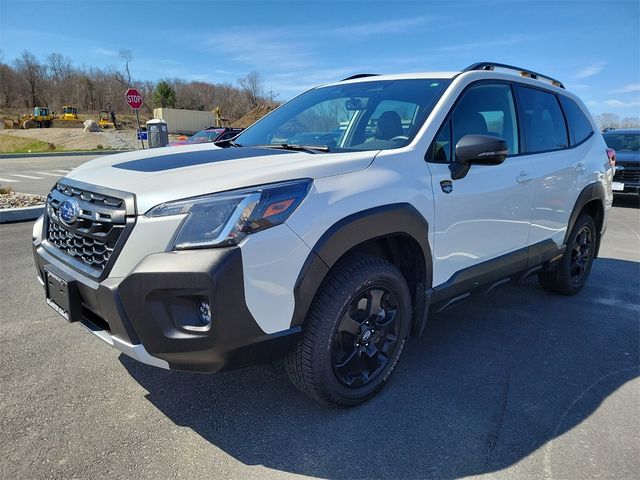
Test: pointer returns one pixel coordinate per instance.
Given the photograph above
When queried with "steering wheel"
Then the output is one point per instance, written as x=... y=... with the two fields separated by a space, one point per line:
x=399 y=137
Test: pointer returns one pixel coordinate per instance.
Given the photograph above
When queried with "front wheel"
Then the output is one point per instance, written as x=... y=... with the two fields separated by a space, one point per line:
x=355 y=333
x=573 y=269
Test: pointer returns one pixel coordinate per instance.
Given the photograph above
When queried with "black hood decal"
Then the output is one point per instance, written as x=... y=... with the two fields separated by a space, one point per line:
x=172 y=160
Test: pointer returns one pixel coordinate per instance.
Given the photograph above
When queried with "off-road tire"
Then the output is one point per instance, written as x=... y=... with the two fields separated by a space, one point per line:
x=561 y=280
x=310 y=366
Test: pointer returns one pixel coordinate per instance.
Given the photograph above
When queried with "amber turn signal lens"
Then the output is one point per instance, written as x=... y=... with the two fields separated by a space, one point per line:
x=277 y=207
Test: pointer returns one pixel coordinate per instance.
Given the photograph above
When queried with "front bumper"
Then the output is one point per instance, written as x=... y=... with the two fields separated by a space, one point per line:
x=152 y=313
x=629 y=176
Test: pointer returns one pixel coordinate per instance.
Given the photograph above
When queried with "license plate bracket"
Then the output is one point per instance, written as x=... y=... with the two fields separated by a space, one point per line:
x=62 y=294
x=617 y=186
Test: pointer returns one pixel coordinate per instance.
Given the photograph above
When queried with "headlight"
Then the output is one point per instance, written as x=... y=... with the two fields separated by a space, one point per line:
x=226 y=218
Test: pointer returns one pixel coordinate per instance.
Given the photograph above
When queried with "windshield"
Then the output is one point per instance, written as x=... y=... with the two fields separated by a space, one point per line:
x=623 y=142
x=206 y=135
x=375 y=115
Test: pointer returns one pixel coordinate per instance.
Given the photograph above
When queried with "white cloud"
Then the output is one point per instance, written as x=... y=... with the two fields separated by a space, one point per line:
x=378 y=28
x=632 y=87
x=108 y=52
x=620 y=104
x=590 y=70
x=260 y=48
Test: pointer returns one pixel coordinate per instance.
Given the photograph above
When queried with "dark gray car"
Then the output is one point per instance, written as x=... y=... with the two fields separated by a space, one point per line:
x=626 y=143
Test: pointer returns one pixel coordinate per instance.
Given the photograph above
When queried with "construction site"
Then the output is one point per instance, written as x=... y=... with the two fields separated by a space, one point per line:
x=44 y=131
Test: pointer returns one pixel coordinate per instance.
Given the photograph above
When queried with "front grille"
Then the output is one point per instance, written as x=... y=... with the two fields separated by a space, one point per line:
x=93 y=236
x=628 y=175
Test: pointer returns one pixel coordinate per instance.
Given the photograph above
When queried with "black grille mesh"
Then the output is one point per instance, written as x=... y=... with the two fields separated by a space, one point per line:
x=93 y=236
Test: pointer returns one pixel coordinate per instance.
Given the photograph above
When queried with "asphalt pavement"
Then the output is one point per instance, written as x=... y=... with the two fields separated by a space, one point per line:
x=37 y=174
x=519 y=384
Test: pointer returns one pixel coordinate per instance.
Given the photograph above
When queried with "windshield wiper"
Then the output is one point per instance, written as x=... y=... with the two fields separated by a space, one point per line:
x=298 y=148
x=227 y=143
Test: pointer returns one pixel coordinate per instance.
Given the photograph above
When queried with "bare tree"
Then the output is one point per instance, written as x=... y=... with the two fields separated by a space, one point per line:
x=27 y=81
x=33 y=74
x=607 y=120
x=9 y=85
x=58 y=66
x=630 y=122
x=252 y=86
x=127 y=58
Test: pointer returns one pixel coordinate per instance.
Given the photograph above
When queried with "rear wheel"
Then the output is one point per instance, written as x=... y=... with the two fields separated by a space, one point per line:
x=355 y=333
x=573 y=269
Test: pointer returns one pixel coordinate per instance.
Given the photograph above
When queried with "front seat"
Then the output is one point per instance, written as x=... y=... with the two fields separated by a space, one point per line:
x=468 y=123
x=389 y=125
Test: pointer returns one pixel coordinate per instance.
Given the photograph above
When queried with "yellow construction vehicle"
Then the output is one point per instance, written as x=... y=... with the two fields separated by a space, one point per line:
x=69 y=113
x=40 y=118
x=220 y=122
x=104 y=120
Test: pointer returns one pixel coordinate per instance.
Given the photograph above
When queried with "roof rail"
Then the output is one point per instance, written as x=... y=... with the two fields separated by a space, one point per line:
x=524 y=72
x=360 y=75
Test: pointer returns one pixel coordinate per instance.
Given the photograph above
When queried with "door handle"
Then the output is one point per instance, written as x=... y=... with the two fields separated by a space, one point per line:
x=524 y=177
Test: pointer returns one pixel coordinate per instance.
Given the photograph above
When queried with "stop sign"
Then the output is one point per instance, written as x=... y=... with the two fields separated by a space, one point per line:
x=134 y=98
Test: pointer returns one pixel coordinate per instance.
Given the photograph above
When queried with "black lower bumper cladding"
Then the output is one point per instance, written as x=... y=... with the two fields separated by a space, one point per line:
x=157 y=306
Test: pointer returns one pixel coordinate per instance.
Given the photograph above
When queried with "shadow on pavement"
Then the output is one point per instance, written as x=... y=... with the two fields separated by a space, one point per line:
x=492 y=381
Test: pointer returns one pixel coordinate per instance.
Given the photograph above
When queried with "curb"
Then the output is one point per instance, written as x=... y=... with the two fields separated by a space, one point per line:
x=11 y=215
x=62 y=154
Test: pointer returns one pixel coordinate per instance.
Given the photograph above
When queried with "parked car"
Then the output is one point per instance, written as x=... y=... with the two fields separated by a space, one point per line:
x=211 y=134
x=626 y=143
x=426 y=189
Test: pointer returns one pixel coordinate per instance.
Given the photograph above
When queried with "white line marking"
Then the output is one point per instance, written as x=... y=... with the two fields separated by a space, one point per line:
x=63 y=171
x=49 y=174
x=30 y=177
x=6 y=180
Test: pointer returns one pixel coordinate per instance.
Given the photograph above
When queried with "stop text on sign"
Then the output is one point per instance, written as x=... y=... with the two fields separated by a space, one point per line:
x=133 y=98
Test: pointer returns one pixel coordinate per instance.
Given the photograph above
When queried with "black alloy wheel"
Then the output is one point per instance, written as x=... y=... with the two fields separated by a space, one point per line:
x=354 y=334
x=569 y=274
x=366 y=336
x=581 y=254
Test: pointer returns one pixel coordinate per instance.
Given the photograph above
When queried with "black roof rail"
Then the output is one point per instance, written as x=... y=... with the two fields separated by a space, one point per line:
x=360 y=75
x=525 y=72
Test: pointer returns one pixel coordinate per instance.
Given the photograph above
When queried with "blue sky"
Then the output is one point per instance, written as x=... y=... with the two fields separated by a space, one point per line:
x=592 y=46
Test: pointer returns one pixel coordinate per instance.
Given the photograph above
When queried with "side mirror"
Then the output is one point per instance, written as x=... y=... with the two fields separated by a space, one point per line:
x=477 y=150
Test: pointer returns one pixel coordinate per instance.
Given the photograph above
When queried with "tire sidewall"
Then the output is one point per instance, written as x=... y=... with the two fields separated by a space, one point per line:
x=387 y=278
x=583 y=221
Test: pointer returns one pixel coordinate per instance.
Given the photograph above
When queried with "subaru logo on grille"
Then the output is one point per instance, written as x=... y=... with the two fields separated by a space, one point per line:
x=69 y=211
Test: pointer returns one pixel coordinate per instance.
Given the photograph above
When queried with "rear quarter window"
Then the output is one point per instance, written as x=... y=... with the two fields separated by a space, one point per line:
x=579 y=126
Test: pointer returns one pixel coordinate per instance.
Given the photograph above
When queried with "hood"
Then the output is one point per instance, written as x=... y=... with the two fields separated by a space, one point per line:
x=171 y=173
x=627 y=157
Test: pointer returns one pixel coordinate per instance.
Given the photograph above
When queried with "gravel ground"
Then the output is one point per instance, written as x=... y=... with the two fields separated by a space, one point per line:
x=19 y=200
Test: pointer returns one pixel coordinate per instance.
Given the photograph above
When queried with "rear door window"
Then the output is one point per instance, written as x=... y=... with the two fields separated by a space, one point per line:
x=544 y=123
x=579 y=126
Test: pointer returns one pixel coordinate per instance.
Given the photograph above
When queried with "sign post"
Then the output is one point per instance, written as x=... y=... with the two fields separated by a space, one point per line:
x=134 y=100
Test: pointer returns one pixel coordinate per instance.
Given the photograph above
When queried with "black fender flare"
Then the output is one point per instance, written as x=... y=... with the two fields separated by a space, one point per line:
x=593 y=191
x=355 y=229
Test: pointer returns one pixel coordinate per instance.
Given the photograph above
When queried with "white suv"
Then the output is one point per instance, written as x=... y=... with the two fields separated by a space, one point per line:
x=327 y=232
